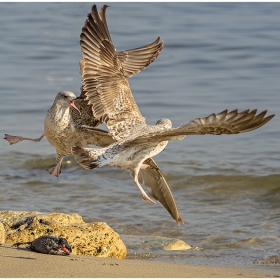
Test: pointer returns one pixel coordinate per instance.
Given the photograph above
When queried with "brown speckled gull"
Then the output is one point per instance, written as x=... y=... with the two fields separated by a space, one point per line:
x=145 y=141
x=61 y=114
x=106 y=87
x=63 y=126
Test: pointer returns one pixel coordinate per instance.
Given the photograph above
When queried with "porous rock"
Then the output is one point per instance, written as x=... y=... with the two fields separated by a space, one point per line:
x=8 y=218
x=91 y=239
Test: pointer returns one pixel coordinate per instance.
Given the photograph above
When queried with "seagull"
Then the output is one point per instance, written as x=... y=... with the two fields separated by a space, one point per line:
x=102 y=68
x=146 y=141
x=65 y=123
x=106 y=87
x=71 y=121
x=62 y=128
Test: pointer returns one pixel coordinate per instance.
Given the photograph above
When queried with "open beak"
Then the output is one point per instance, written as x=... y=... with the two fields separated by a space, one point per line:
x=72 y=103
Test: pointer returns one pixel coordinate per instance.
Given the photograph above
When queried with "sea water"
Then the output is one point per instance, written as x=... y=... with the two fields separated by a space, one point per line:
x=216 y=56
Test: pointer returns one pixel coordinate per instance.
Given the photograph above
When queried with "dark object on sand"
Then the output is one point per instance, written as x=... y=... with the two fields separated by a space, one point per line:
x=48 y=245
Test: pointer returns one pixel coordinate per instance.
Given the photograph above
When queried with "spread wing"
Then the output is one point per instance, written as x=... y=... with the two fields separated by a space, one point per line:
x=222 y=123
x=135 y=60
x=104 y=75
x=158 y=188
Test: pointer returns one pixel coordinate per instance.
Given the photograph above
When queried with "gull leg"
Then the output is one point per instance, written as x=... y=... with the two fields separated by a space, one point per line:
x=144 y=195
x=56 y=170
x=15 y=139
x=134 y=173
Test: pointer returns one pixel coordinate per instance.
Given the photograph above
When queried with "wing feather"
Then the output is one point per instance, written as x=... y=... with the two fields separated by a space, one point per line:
x=104 y=75
x=158 y=188
x=104 y=84
x=135 y=60
x=222 y=123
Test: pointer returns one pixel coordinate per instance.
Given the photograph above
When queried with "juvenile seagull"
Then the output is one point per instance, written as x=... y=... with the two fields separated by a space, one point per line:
x=104 y=78
x=145 y=141
x=106 y=88
x=64 y=126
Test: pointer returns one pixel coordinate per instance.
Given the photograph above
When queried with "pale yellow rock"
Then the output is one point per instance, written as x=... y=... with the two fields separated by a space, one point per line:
x=8 y=218
x=91 y=239
x=2 y=233
x=177 y=245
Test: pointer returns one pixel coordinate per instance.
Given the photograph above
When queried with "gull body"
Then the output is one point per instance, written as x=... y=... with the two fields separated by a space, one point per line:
x=65 y=127
x=107 y=89
x=147 y=141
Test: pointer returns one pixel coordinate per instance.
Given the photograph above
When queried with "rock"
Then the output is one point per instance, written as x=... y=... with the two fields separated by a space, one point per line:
x=8 y=218
x=177 y=245
x=91 y=239
x=2 y=233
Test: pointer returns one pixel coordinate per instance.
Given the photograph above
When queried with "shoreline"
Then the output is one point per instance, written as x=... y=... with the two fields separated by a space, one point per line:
x=23 y=263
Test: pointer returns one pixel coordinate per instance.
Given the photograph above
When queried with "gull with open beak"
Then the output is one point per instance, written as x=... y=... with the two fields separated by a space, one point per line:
x=70 y=124
x=62 y=127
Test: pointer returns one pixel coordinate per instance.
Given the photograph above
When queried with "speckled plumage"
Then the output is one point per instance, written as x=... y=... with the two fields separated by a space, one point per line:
x=106 y=88
x=64 y=126
x=147 y=141
x=129 y=62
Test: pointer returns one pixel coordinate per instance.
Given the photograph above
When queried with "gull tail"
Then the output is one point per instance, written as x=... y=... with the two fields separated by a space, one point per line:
x=91 y=158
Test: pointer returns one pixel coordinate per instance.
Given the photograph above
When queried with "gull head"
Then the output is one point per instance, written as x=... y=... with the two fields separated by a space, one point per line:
x=164 y=123
x=66 y=99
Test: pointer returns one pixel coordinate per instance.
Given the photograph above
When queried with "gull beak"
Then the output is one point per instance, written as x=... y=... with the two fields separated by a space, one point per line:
x=72 y=104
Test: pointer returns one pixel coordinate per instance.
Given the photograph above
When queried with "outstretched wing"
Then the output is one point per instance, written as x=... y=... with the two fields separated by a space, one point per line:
x=104 y=73
x=222 y=123
x=158 y=188
x=135 y=60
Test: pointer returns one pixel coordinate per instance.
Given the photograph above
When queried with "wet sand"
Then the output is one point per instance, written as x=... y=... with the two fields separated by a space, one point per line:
x=20 y=262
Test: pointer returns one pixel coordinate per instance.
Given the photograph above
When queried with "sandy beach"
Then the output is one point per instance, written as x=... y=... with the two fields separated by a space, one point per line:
x=20 y=262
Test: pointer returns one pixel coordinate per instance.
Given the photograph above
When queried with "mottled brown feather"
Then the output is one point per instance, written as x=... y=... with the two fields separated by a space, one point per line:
x=104 y=75
x=158 y=188
x=222 y=123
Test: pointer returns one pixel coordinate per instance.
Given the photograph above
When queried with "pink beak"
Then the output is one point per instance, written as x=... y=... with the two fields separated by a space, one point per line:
x=72 y=103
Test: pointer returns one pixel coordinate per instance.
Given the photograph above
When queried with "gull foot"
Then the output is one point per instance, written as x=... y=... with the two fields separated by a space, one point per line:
x=56 y=170
x=145 y=197
x=13 y=139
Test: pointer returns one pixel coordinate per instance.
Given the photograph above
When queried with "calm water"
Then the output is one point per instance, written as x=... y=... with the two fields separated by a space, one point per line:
x=216 y=56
